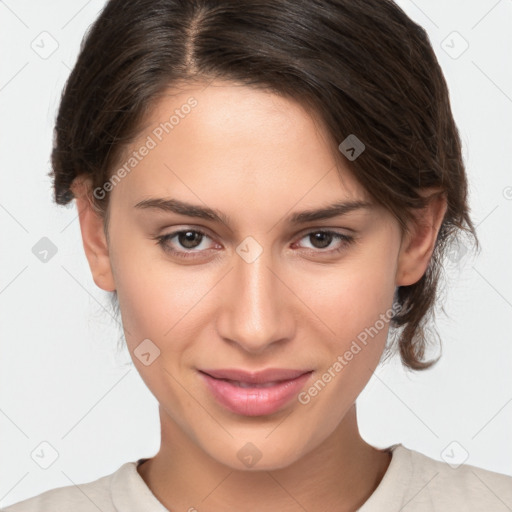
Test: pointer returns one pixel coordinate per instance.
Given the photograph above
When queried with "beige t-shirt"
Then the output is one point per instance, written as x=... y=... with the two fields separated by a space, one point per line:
x=413 y=482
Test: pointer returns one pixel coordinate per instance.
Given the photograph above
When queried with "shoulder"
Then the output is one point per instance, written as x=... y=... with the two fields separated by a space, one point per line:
x=476 y=488
x=420 y=483
x=94 y=495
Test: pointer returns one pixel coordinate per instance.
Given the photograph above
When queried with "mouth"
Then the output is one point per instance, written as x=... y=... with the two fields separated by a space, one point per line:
x=254 y=393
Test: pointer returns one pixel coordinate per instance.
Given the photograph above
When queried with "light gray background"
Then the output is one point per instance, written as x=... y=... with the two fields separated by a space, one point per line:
x=60 y=379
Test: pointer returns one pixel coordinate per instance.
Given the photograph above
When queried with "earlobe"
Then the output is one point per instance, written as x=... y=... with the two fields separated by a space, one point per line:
x=93 y=236
x=418 y=245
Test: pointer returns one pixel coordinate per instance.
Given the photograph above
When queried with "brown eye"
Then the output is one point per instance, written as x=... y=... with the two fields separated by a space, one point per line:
x=322 y=239
x=187 y=243
x=189 y=239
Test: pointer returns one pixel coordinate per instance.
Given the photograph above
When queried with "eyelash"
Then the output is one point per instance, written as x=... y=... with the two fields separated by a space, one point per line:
x=163 y=239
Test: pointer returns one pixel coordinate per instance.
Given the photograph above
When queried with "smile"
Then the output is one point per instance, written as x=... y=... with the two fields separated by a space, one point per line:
x=254 y=393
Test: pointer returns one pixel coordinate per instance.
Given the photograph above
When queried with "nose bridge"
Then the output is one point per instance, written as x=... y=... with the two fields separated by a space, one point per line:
x=253 y=308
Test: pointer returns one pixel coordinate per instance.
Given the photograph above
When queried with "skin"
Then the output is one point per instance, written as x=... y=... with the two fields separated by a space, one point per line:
x=258 y=158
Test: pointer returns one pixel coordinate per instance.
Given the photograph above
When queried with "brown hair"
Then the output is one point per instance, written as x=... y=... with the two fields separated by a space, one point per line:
x=363 y=68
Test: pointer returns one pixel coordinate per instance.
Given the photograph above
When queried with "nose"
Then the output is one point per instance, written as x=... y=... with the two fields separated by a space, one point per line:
x=255 y=310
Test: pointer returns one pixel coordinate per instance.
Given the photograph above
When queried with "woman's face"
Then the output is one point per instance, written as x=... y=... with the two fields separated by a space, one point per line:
x=257 y=290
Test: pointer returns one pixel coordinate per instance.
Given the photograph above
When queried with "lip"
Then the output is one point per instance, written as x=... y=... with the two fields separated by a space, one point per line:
x=263 y=392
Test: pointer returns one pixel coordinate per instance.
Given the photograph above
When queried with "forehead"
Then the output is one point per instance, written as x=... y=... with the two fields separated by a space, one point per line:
x=227 y=141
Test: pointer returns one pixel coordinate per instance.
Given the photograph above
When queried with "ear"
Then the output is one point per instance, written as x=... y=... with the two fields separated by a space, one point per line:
x=93 y=236
x=418 y=245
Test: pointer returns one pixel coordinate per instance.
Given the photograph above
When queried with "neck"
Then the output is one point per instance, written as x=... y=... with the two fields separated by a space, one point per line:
x=340 y=474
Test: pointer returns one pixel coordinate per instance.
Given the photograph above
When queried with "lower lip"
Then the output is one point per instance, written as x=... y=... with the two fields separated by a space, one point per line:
x=256 y=401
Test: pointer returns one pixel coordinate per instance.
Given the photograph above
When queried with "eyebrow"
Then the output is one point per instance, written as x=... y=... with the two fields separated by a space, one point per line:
x=203 y=212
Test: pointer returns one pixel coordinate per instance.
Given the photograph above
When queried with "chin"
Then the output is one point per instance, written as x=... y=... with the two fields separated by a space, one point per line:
x=255 y=456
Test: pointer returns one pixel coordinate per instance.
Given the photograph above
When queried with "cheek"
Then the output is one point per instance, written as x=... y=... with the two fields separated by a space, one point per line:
x=354 y=303
x=157 y=298
x=350 y=296
x=352 y=308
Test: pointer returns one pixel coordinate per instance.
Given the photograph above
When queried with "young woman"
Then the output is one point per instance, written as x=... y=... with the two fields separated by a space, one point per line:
x=266 y=188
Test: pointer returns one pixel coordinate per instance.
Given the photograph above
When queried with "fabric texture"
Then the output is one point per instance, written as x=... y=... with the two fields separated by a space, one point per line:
x=413 y=482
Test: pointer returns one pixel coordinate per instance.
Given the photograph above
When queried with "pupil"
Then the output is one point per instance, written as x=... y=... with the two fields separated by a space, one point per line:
x=323 y=238
x=188 y=238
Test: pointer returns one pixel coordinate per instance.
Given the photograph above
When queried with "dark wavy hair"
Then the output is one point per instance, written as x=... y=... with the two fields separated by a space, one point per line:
x=361 y=67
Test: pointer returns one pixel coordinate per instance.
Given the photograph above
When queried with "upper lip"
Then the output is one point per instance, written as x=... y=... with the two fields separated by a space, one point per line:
x=256 y=377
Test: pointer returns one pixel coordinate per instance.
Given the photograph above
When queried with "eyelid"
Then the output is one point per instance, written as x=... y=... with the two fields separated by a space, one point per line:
x=175 y=230
x=328 y=229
